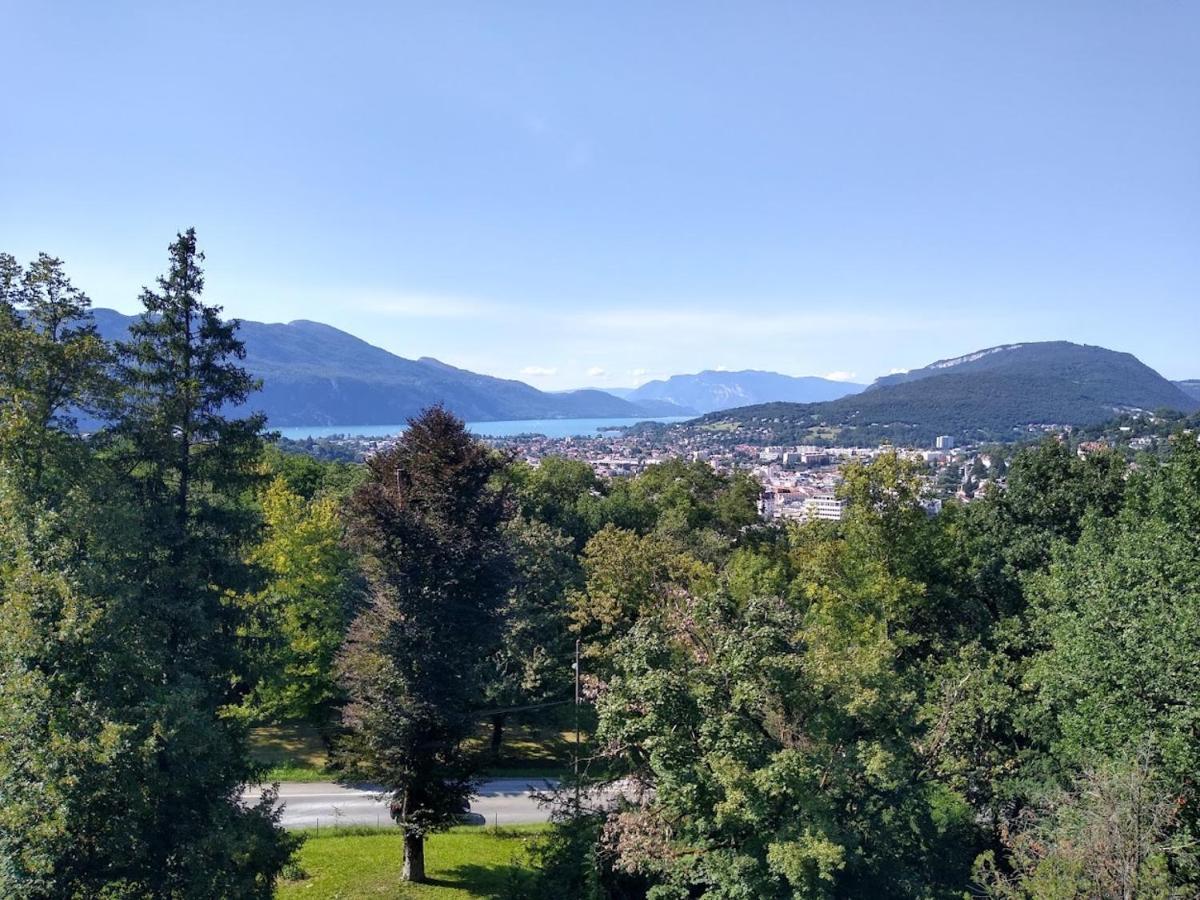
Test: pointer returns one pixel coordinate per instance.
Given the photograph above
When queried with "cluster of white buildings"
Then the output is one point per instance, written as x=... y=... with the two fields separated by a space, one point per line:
x=800 y=483
x=798 y=506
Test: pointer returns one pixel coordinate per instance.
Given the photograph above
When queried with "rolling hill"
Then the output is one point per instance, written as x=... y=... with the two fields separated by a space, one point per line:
x=315 y=374
x=710 y=390
x=993 y=394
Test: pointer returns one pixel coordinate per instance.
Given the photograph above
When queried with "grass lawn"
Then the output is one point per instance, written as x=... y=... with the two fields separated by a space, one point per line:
x=292 y=751
x=359 y=862
x=530 y=750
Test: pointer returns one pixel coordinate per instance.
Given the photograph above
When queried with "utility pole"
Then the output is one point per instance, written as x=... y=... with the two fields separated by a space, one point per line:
x=577 y=733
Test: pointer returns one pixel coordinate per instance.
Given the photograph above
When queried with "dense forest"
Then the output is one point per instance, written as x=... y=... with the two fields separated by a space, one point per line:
x=1001 y=700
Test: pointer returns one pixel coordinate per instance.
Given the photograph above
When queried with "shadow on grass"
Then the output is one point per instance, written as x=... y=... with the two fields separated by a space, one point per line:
x=483 y=881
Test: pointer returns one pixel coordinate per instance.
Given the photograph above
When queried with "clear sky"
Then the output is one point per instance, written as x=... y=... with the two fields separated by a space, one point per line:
x=599 y=193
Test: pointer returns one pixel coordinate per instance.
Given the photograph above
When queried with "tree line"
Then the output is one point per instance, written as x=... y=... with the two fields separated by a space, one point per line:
x=1001 y=700
x=998 y=701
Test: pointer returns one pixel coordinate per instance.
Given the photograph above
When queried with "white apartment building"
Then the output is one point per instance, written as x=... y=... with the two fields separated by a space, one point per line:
x=824 y=507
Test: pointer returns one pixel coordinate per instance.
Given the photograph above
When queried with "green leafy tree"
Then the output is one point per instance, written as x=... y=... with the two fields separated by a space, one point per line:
x=62 y=743
x=60 y=736
x=53 y=365
x=311 y=478
x=779 y=737
x=119 y=774
x=1120 y=615
x=562 y=493
x=533 y=661
x=629 y=576
x=427 y=526
x=297 y=621
x=686 y=502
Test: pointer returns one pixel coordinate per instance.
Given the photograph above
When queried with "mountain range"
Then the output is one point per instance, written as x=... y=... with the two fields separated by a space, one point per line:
x=713 y=390
x=315 y=374
x=992 y=394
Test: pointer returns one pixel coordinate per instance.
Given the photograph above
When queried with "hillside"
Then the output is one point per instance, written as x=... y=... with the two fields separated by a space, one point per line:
x=1191 y=387
x=710 y=390
x=314 y=374
x=994 y=394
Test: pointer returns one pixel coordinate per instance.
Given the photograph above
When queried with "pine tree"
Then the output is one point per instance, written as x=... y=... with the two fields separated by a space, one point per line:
x=188 y=465
x=427 y=524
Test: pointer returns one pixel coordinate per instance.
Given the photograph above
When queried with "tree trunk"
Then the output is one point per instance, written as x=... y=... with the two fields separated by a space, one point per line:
x=414 y=859
x=497 y=734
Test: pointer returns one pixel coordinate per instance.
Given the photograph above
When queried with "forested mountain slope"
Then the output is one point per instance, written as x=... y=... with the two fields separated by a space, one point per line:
x=314 y=374
x=992 y=394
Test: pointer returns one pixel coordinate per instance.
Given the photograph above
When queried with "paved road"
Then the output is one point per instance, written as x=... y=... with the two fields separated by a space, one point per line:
x=503 y=801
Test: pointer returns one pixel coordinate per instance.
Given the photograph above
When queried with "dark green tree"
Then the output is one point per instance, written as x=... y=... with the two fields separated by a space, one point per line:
x=560 y=492
x=187 y=465
x=427 y=526
x=120 y=774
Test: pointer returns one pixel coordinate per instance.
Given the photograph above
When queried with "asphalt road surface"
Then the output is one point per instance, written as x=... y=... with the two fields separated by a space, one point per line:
x=501 y=801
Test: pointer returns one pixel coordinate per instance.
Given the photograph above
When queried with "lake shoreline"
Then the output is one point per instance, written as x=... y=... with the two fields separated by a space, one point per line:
x=554 y=428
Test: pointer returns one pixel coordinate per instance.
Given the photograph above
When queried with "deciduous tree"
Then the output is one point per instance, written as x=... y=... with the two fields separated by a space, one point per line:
x=427 y=525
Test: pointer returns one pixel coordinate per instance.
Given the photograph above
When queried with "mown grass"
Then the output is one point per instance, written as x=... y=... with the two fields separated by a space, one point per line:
x=291 y=751
x=531 y=750
x=294 y=751
x=465 y=862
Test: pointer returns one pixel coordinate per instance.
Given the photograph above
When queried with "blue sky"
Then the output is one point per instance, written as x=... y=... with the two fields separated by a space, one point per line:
x=602 y=193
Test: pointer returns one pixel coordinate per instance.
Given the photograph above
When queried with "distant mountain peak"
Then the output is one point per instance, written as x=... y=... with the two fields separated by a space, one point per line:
x=716 y=389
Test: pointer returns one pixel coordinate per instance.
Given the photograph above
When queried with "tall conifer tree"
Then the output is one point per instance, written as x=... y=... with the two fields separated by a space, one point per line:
x=188 y=463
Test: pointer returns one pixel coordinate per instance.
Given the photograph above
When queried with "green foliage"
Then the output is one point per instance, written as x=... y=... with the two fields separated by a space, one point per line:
x=296 y=623
x=780 y=734
x=1121 y=614
x=427 y=527
x=119 y=772
x=534 y=658
x=561 y=493
x=1113 y=832
x=687 y=503
x=52 y=365
x=310 y=477
x=865 y=708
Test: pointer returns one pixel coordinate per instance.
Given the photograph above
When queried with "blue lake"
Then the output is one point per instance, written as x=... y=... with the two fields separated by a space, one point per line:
x=548 y=427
